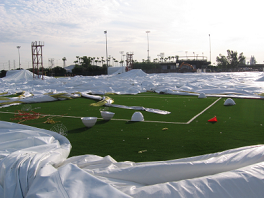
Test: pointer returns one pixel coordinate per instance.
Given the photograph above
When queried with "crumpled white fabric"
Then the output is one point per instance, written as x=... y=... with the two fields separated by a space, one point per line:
x=230 y=84
x=34 y=163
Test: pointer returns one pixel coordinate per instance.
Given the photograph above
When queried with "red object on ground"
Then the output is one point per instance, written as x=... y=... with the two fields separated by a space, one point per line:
x=214 y=119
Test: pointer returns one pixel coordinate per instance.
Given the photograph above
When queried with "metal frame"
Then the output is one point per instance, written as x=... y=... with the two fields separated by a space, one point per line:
x=129 y=60
x=37 y=59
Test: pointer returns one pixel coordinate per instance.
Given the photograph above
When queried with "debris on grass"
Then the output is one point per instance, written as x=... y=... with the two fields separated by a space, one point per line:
x=23 y=116
x=164 y=129
x=214 y=119
x=229 y=102
x=105 y=100
x=142 y=151
x=50 y=121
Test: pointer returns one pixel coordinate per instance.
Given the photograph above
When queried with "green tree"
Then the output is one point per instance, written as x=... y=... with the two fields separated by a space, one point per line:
x=232 y=60
x=59 y=71
x=252 y=60
x=222 y=61
x=3 y=73
x=146 y=65
x=77 y=69
x=86 y=61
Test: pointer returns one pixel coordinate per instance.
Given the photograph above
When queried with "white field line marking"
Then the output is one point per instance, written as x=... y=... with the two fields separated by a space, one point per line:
x=154 y=97
x=163 y=122
x=100 y=118
x=203 y=111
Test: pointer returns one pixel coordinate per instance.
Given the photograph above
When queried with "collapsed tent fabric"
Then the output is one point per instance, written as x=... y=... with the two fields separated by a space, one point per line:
x=18 y=75
x=231 y=84
x=34 y=163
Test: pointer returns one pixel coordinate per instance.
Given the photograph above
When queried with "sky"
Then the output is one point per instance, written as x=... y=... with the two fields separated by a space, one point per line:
x=71 y=28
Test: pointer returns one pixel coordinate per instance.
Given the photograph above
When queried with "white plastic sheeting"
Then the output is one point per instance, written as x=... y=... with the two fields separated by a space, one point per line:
x=34 y=163
x=237 y=84
x=115 y=70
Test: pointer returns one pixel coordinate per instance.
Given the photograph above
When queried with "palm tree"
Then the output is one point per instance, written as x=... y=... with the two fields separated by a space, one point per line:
x=113 y=61
x=116 y=61
x=92 y=58
x=64 y=61
x=121 y=62
x=102 y=60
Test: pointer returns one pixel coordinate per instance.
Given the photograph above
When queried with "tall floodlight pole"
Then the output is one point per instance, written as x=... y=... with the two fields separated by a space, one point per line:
x=210 y=46
x=105 y=32
x=148 y=43
x=121 y=52
x=18 y=47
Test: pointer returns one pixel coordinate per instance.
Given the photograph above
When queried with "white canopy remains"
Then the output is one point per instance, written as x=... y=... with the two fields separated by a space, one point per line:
x=231 y=85
x=237 y=84
x=34 y=163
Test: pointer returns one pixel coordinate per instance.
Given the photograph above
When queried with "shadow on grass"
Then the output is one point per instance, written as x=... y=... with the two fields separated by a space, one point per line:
x=213 y=122
x=102 y=122
x=79 y=130
x=132 y=122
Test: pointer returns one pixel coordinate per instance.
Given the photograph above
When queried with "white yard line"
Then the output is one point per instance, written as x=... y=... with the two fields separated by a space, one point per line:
x=149 y=121
x=162 y=122
x=79 y=117
x=203 y=111
x=153 y=97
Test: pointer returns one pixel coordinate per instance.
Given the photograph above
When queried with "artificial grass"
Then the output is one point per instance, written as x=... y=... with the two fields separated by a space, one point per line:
x=238 y=125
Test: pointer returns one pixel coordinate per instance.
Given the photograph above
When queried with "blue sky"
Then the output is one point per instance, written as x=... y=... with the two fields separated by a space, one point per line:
x=71 y=28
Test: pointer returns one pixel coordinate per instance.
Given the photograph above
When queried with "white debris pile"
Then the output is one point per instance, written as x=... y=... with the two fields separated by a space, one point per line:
x=34 y=163
x=239 y=84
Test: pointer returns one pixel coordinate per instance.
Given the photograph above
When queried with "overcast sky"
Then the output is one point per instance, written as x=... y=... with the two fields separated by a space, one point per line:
x=71 y=28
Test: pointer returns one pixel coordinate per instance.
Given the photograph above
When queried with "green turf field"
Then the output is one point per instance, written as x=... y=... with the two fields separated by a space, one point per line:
x=238 y=125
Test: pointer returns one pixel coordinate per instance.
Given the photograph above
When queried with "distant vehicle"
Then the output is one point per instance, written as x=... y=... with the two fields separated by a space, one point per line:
x=186 y=67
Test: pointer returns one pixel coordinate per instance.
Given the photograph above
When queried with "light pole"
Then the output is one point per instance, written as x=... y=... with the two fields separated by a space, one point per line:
x=18 y=47
x=148 y=43
x=121 y=52
x=210 y=46
x=105 y=32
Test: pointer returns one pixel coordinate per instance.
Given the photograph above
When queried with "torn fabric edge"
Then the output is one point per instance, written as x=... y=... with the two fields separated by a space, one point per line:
x=138 y=108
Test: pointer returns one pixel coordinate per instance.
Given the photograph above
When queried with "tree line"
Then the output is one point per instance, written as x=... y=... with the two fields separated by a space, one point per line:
x=88 y=66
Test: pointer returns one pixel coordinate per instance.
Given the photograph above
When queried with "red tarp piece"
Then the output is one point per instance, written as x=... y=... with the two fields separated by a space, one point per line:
x=214 y=119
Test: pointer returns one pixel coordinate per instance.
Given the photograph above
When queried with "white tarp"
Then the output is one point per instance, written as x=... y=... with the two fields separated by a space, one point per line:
x=18 y=75
x=237 y=84
x=115 y=70
x=34 y=163
x=231 y=85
